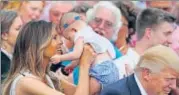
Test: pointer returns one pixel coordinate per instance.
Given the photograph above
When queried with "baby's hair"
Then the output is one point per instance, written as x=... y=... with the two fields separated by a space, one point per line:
x=66 y=17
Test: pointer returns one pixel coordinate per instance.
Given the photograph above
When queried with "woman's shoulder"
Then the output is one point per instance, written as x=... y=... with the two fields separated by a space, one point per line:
x=20 y=82
x=34 y=86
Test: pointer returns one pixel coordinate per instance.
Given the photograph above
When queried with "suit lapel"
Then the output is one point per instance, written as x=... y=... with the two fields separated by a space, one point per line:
x=132 y=85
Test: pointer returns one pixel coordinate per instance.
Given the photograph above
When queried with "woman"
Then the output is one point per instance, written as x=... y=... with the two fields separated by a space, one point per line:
x=10 y=27
x=28 y=10
x=37 y=42
x=127 y=29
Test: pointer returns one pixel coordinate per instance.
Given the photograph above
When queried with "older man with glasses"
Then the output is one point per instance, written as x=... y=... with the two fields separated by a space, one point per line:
x=105 y=19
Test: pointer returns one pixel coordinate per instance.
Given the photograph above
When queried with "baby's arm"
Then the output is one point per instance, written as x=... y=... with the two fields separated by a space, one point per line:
x=75 y=54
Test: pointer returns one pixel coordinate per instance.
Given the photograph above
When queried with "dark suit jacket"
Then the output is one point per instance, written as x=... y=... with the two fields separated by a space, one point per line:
x=126 y=86
x=5 y=65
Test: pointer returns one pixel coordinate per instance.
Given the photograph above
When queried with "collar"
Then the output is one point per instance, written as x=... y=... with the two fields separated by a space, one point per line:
x=141 y=88
x=6 y=53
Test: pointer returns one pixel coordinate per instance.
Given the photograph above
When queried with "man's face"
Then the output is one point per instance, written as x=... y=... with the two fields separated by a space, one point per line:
x=175 y=40
x=162 y=83
x=58 y=10
x=103 y=23
x=162 y=34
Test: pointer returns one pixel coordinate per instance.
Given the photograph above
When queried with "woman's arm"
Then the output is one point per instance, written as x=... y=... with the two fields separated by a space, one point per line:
x=95 y=86
x=32 y=86
x=84 y=65
x=86 y=60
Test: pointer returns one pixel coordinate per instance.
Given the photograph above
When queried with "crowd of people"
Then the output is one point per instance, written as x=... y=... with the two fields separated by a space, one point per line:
x=89 y=47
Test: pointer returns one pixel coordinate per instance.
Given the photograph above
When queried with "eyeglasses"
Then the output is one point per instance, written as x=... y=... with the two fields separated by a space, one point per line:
x=107 y=24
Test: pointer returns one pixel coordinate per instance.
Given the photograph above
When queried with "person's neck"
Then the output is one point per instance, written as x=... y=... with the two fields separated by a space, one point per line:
x=7 y=48
x=23 y=17
x=46 y=61
x=143 y=83
x=146 y=88
x=122 y=46
x=141 y=46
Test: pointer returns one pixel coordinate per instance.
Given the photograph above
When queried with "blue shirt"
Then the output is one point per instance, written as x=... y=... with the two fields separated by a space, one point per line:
x=76 y=70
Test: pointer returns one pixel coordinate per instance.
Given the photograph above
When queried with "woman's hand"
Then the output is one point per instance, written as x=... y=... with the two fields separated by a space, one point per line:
x=87 y=56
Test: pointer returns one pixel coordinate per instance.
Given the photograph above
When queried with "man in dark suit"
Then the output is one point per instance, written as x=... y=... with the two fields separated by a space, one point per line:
x=155 y=74
x=126 y=86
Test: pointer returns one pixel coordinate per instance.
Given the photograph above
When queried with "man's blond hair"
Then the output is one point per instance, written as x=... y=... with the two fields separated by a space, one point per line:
x=157 y=58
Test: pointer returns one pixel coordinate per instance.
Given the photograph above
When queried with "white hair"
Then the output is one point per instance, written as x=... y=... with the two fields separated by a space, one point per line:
x=90 y=15
x=50 y=4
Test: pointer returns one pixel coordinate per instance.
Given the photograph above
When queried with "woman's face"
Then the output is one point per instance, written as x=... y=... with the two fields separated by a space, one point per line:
x=54 y=46
x=123 y=33
x=32 y=10
x=14 y=31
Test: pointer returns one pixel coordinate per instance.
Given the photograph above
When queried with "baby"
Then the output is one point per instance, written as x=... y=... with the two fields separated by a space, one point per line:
x=77 y=31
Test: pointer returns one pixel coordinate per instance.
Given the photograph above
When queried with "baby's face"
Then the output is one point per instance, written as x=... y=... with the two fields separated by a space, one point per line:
x=66 y=24
x=69 y=32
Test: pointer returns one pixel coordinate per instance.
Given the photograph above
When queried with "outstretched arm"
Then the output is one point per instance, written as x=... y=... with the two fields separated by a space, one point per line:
x=77 y=51
x=86 y=60
x=75 y=54
x=37 y=87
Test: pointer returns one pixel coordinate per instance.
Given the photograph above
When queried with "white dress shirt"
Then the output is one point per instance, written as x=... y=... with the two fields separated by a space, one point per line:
x=131 y=58
x=6 y=53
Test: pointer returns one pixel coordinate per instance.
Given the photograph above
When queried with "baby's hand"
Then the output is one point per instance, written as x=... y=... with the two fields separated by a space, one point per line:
x=55 y=59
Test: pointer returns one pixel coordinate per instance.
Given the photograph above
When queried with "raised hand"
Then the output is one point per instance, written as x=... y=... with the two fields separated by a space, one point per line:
x=55 y=59
x=87 y=56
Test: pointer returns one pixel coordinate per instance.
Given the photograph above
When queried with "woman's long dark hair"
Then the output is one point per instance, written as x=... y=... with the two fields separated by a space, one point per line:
x=6 y=19
x=28 y=51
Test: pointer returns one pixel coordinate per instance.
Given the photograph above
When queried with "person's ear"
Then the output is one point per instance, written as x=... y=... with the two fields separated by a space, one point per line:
x=73 y=29
x=148 y=33
x=4 y=36
x=146 y=74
